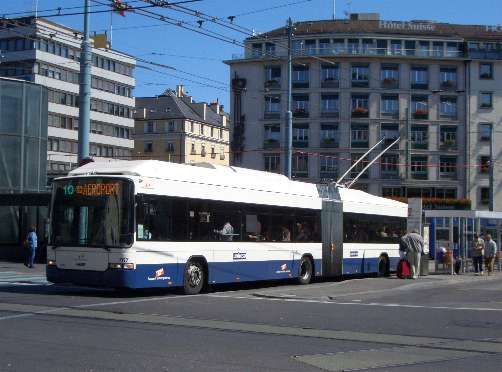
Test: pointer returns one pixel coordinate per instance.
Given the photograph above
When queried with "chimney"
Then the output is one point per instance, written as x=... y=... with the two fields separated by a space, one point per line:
x=215 y=106
x=204 y=110
x=180 y=91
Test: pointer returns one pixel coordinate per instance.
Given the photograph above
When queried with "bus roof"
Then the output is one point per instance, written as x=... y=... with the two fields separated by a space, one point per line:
x=242 y=185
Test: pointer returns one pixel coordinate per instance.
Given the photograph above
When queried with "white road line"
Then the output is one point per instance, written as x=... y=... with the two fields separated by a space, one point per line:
x=373 y=304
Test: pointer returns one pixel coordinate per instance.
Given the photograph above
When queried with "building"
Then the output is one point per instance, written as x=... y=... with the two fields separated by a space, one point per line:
x=173 y=127
x=24 y=199
x=47 y=53
x=356 y=81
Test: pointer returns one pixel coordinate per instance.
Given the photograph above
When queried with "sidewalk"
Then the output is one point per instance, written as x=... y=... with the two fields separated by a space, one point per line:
x=38 y=269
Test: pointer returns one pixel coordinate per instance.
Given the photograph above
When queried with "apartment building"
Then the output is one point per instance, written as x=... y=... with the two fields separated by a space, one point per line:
x=173 y=127
x=359 y=80
x=47 y=53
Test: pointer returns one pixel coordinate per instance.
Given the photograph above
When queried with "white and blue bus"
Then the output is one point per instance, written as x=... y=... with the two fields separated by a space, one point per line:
x=141 y=224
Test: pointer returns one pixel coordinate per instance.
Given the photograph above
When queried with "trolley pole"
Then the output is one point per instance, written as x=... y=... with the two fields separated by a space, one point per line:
x=84 y=90
x=289 y=114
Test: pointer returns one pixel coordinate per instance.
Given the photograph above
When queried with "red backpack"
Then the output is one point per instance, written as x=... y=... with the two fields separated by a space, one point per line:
x=403 y=269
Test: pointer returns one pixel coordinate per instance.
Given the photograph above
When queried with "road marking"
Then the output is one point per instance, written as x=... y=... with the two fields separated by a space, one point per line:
x=358 y=303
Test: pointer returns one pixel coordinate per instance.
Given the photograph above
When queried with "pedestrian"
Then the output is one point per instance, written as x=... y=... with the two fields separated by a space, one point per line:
x=414 y=250
x=478 y=250
x=227 y=232
x=490 y=253
x=32 y=243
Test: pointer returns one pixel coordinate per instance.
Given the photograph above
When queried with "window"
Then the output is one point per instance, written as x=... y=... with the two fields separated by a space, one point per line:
x=409 y=47
x=353 y=46
x=419 y=78
x=149 y=127
x=448 y=137
x=256 y=49
x=272 y=163
x=201 y=129
x=388 y=166
x=338 y=46
x=272 y=76
x=300 y=135
x=300 y=165
x=360 y=105
x=389 y=105
x=269 y=49
x=328 y=168
x=448 y=78
x=367 y=228
x=171 y=126
x=360 y=76
x=310 y=47
x=486 y=70
x=329 y=105
x=448 y=107
x=389 y=75
x=203 y=150
x=300 y=105
x=272 y=135
x=420 y=107
x=390 y=132
x=324 y=46
x=484 y=193
x=148 y=147
x=359 y=136
x=396 y=47
x=392 y=192
x=329 y=135
x=170 y=147
x=484 y=164
x=368 y=46
x=485 y=132
x=330 y=76
x=213 y=153
x=446 y=193
x=381 y=47
x=419 y=167
x=437 y=48
x=212 y=132
x=300 y=76
x=452 y=50
x=272 y=106
x=419 y=137
x=423 y=48
x=486 y=100
x=193 y=151
x=447 y=167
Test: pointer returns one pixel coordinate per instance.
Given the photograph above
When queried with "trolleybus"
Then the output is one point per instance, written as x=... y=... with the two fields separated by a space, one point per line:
x=141 y=224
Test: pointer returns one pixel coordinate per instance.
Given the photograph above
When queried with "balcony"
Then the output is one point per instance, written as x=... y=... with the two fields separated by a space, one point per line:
x=448 y=175
x=360 y=112
x=271 y=115
x=330 y=114
x=448 y=145
x=328 y=175
x=449 y=85
x=271 y=143
x=300 y=113
x=419 y=175
x=421 y=114
x=330 y=83
x=300 y=143
x=450 y=115
x=420 y=85
x=273 y=84
x=360 y=84
x=420 y=145
x=300 y=84
x=390 y=83
x=389 y=174
x=329 y=143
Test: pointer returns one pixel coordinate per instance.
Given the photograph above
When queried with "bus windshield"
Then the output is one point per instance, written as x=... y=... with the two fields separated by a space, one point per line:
x=93 y=212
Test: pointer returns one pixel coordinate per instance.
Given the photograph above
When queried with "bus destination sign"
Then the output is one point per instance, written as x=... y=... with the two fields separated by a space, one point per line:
x=92 y=189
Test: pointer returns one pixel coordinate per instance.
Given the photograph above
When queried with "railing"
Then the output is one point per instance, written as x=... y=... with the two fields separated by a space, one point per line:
x=365 y=51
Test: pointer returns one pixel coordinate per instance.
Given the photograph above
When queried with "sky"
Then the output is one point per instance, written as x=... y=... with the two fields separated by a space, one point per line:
x=201 y=57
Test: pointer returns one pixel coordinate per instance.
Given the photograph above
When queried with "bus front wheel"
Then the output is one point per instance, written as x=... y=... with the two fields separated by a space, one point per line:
x=306 y=271
x=194 y=278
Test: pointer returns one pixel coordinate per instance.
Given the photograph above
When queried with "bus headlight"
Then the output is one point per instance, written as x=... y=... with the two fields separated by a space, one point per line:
x=51 y=263
x=125 y=266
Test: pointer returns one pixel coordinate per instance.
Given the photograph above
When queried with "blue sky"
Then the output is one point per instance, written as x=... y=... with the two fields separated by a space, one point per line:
x=196 y=54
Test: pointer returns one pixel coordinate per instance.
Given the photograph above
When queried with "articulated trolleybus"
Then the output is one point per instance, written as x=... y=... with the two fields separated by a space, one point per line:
x=141 y=224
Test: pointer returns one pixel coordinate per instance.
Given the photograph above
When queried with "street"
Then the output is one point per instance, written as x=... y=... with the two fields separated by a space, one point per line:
x=435 y=323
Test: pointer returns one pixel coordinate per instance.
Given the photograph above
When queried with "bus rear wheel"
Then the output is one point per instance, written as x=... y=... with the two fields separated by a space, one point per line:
x=194 y=278
x=306 y=271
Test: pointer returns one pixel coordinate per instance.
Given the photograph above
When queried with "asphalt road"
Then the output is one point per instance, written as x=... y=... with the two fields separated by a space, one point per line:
x=438 y=323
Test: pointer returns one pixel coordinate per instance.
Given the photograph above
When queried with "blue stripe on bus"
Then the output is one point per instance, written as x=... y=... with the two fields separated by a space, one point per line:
x=171 y=275
x=366 y=265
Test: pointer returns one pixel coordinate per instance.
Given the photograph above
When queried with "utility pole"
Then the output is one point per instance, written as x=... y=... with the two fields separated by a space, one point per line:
x=491 y=168
x=85 y=90
x=289 y=114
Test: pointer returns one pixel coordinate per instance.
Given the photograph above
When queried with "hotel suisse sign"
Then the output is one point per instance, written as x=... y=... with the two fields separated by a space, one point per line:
x=407 y=26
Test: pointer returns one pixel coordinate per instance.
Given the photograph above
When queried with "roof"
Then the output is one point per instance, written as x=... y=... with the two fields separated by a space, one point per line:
x=170 y=106
x=425 y=29
x=217 y=182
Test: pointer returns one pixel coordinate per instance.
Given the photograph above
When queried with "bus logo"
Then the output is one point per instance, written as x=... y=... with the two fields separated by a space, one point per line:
x=283 y=269
x=239 y=255
x=159 y=275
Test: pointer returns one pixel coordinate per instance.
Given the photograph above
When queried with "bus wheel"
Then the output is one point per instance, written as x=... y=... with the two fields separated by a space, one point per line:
x=306 y=270
x=383 y=266
x=194 y=277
